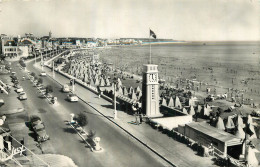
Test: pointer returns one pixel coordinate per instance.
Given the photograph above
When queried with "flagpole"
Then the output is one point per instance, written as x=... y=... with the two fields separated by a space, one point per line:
x=150 y=46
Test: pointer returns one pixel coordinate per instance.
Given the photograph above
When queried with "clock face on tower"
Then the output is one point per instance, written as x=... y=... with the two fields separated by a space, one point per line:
x=152 y=77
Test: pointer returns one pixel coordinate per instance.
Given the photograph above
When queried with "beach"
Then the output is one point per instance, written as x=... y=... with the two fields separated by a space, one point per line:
x=217 y=65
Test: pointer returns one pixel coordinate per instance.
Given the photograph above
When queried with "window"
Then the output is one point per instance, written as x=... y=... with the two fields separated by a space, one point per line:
x=153 y=96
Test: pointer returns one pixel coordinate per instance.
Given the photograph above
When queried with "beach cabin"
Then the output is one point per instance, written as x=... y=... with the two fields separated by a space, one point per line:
x=225 y=143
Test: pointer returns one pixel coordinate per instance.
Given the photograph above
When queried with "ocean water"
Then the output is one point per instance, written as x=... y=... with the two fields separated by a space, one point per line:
x=222 y=64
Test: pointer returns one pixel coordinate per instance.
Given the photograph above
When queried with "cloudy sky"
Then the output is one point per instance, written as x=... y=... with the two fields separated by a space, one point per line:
x=175 y=19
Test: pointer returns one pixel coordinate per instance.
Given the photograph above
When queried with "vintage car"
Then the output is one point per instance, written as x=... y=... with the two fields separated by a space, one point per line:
x=22 y=96
x=73 y=97
x=39 y=128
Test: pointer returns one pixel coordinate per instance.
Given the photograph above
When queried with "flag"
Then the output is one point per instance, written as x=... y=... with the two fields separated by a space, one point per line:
x=152 y=34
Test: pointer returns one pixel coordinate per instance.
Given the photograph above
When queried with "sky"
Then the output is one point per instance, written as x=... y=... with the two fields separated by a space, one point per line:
x=190 y=20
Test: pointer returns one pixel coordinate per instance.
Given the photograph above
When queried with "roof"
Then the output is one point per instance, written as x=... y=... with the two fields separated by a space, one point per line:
x=172 y=122
x=215 y=133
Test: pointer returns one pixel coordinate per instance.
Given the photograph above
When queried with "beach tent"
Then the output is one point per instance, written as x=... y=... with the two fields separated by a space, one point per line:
x=170 y=104
x=138 y=89
x=252 y=128
x=251 y=158
x=249 y=119
x=96 y=82
x=164 y=102
x=192 y=111
x=220 y=124
x=130 y=90
x=139 y=95
x=120 y=91
x=107 y=82
x=102 y=82
x=133 y=96
x=191 y=102
x=184 y=111
x=86 y=79
x=207 y=110
x=119 y=84
x=178 y=103
x=92 y=82
x=240 y=132
x=240 y=122
x=125 y=91
x=199 y=109
x=230 y=124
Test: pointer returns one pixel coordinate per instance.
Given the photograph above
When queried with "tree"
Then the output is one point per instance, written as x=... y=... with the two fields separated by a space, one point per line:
x=33 y=74
x=40 y=81
x=91 y=134
x=22 y=64
x=82 y=119
x=49 y=89
x=2 y=57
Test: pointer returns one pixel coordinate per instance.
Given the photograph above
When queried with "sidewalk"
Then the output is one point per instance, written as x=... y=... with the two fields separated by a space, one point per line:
x=175 y=152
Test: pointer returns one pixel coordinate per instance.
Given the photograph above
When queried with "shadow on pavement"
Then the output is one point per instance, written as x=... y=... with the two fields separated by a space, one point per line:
x=33 y=135
x=108 y=106
x=42 y=110
x=92 y=113
x=69 y=130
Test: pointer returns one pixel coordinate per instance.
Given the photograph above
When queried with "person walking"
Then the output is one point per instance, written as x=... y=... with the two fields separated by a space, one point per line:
x=99 y=92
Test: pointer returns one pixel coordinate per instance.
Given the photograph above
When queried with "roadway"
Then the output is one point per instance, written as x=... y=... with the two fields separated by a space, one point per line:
x=120 y=149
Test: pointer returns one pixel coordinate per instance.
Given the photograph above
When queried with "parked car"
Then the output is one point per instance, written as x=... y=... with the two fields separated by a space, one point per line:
x=49 y=95
x=22 y=96
x=66 y=88
x=19 y=89
x=42 y=91
x=17 y=85
x=34 y=119
x=43 y=74
x=2 y=102
x=39 y=129
x=39 y=86
x=73 y=97
x=40 y=132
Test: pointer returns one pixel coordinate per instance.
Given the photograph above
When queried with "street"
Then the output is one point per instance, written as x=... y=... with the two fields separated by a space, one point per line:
x=119 y=148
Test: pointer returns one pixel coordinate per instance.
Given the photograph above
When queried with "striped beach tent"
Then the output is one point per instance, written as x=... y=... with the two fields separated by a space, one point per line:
x=164 y=102
x=178 y=103
x=240 y=132
x=170 y=103
x=220 y=124
x=192 y=111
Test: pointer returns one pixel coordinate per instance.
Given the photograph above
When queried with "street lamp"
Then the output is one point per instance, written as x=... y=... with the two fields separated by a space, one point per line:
x=34 y=58
x=53 y=74
x=41 y=61
x=115 y=82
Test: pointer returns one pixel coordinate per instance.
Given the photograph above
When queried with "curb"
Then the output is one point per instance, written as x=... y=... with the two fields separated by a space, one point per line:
x=81 y=137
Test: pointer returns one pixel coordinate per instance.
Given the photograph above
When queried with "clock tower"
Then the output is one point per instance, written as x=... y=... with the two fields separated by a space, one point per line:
x=150 y=91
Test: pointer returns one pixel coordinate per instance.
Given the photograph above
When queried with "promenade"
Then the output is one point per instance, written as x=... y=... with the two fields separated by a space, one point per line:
x=175 y=152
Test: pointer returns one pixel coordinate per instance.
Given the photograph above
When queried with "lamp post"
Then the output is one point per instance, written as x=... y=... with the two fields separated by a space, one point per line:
x=41 y=61
x=34 y=58
x=115 y=111
x=53 y=74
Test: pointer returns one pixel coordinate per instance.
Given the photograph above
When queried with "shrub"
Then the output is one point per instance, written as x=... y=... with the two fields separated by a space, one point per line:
x=40 y=81
x=82 y=119
x=91 y=134
x=49 y=89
